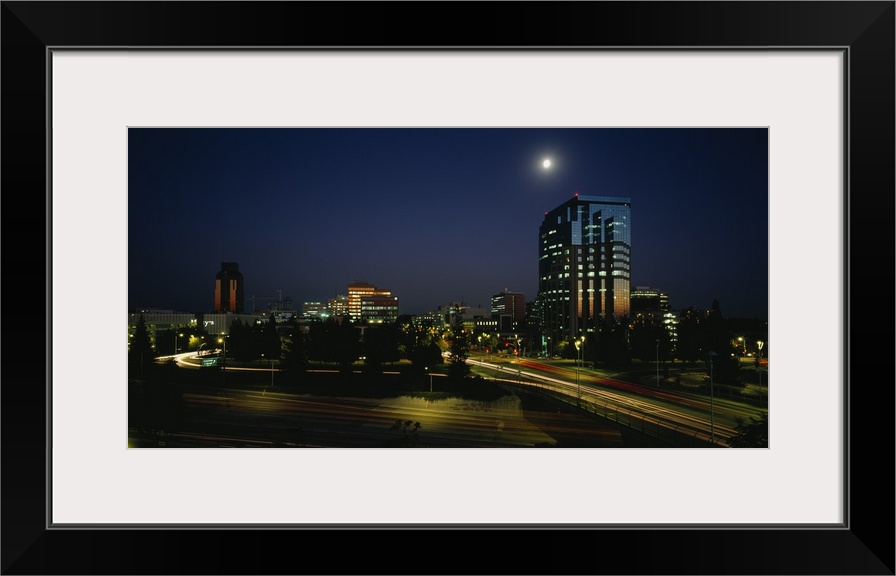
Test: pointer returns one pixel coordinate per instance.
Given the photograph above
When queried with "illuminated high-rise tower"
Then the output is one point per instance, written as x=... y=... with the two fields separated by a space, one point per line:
x=584 y=265
x=229 y=288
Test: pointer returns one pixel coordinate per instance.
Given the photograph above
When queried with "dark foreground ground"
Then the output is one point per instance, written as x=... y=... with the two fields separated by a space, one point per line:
x=183 y=409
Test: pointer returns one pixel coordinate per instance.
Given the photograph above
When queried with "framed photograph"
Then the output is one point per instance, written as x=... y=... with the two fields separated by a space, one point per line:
x=106 y=103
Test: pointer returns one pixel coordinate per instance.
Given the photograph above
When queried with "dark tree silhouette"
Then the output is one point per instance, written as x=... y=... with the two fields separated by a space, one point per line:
x=568 y=350
x=750 y=434
x=241 y=342
x=165 y=341
x=409 y=434
x=140 y=352
x=688 y=347
x=458 y=351
x=612 y=344
x=295 y=354
x=318 y=342
x=156 y=402
x=334 y=342
x=271 y=345
x=717 y=337
x=380 y=346
x=643 y=336
x=347 y=340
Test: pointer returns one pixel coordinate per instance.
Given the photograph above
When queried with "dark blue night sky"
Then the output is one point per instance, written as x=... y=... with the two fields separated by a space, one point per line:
x=437 y=214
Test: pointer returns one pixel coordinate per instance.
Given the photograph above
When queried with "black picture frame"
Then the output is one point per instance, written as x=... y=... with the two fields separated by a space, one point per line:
x=863 y=30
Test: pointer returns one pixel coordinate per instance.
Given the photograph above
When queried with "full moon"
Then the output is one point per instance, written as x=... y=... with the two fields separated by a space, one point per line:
x=546 y=163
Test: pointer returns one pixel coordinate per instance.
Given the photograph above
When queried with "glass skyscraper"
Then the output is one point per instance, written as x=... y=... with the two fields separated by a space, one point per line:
x=584 y=265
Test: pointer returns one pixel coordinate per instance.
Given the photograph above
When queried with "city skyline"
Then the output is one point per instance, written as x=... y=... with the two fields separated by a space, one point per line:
x=437 y=215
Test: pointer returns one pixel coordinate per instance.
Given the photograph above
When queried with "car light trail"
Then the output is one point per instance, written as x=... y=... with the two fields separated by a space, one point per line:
x=613 y=402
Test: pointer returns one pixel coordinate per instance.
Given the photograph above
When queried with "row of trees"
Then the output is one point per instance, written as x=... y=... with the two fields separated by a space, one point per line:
x=297 y=347
x=616 y=343
x=344 y=344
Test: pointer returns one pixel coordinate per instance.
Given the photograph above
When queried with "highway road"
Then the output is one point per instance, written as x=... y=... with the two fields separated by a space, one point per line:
x=229 y=417
x=689 y=413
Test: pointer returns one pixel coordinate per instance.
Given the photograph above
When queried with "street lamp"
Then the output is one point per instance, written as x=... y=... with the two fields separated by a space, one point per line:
x=578 y=344
x=430 y=378
x=657 y=362
x=712 y=423
x=759 y=345
x=223 y=340
x=175 y=341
